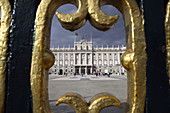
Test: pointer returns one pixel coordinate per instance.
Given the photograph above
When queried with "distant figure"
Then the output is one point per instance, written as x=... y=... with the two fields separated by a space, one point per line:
x=82 y=74
x=108 y=74
x=96 y=74
x=74 y=74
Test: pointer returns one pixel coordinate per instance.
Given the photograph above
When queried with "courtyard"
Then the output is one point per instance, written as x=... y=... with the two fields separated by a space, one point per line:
x=87 y=86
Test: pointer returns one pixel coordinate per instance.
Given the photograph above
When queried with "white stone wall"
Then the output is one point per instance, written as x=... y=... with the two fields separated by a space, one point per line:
x=85 y=59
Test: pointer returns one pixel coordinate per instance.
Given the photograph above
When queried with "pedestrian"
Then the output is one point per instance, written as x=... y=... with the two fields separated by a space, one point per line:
x=108 y=74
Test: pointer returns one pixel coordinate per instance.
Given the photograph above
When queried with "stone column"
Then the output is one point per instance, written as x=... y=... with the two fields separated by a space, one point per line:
x=85 y=70
x=113 y=58
x=102 y=59
x=118 y=55
x=108 y=57
x=79 y=59
x=74 y=58
x=91 y=70
x=69 y=59
x=85 y=58
x=80 y=70
x=120 y=70
x=97 y=60
x=91 y=59
x=63 y=60
x=58 y=59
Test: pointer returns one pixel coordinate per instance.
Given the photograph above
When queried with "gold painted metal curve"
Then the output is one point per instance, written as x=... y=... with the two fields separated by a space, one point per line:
x=102 y=100
x=76 y=20
x=127 y=59
x=135 y=42
x=4 y=33
x=74 y=100
x=98 y=18
x=96 y=104
x=49 y=59
x=136 y=75
x=167 y=31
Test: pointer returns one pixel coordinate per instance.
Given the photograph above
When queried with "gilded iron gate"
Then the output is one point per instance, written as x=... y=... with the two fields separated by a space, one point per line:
x=134 y=59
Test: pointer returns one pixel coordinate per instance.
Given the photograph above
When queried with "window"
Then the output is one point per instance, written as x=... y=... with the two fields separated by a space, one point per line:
x=110 y=55
x=99 y=55
x=105 y=62
x=60 y=54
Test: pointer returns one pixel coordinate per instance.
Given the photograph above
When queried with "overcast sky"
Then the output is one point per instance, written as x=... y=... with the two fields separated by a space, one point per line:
x=114 y=36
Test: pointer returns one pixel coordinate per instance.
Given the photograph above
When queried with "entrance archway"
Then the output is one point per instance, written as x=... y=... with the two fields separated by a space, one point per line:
x=60 y=72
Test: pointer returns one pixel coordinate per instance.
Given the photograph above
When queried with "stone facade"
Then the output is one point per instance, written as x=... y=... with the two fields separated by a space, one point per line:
x=86 y=59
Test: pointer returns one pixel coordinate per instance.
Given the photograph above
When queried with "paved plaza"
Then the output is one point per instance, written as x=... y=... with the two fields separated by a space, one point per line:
x=87 y=86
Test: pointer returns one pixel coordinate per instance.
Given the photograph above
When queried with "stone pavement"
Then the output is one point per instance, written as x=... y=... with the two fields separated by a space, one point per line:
x=87 y=86
x=87 y=77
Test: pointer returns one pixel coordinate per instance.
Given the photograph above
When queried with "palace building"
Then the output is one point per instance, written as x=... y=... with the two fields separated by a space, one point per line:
x=83 y=58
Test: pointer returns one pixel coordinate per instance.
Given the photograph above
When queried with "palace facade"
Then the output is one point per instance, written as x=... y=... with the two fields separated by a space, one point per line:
x=86 y=59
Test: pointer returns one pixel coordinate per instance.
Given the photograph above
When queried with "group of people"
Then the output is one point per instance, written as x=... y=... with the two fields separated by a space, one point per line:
x=97 y=74
x=100 y=74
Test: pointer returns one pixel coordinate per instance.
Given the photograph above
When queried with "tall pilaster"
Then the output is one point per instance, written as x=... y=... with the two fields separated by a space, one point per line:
x=63 y=59
x=102 y=59
x=85 y=58
x=113 y=59
x=86 y=70
x=91 y=58
x=69 y=62
x=118 y=57
x=108 y=57
x=74 y=58
x=58 y=59
x=97 y=58
x=79 y=59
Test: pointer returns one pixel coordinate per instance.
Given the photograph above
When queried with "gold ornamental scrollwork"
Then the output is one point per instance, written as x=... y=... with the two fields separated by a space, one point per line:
x=4 y=33
x=167 y=32
x=134 y=59
x=98 y=18
x=95 y=105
